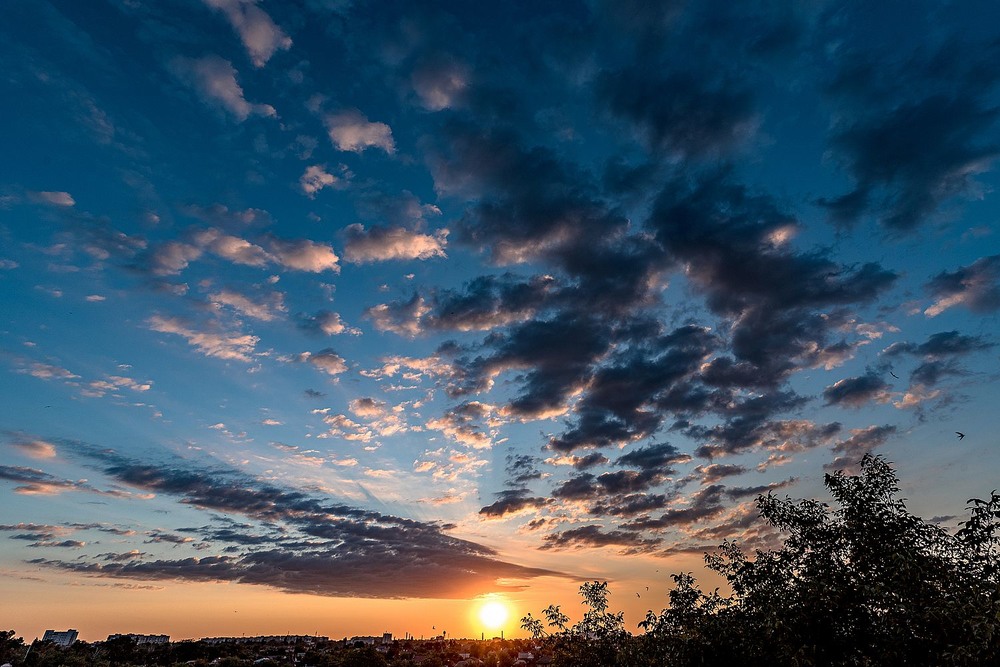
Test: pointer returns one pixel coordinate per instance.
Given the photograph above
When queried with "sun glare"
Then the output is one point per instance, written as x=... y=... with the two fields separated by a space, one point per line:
x=493 y=614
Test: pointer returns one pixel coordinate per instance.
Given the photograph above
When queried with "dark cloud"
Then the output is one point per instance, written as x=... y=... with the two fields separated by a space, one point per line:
x=626 y=396
x=521 y=469
x=377 y=555
x=715 y=472
x=855 y=392
x=528 y=204
x=630 y=504
x=324 y=322
x=740 y=492
x=589 y=461
x=654 y=457
x=555 y=356
x=938 y=355
x=976 y=286
x=510 y=501
x=159 y=536
x=65 y=544
x=681 y=113
x=704 y=504
x=593 y=536
x=915 y=127
x=862 y=441
x=939 y=345
x=32 y=481
x=735 y=246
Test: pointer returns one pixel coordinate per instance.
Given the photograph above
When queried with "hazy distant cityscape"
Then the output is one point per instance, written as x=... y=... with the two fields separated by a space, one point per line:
x=65 y=648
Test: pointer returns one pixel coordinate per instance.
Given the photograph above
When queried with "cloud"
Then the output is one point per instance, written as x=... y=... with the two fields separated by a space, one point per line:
x=704 y=504
x=222 y=216
x=654 y=457
x=377 y=555
x=315 y=179
x=512 y=501
x=464 y=424
x=681 y=113
x=716 y=472
x=862 y=441
x=326 y=360
x=440 y=83
x=266 y=309
x=36 y=449
x=113 y=383
x=380 y=244
x=351 y=131
x=304 y=255
x=592 y=536
x=231 y=248
x=484 y=303
x=399 y=317
x=44 y=371
x=977 y=287
x=261 y=37
x=914 y=129
x=855 y=392
x=171 y=258
x=34 y=482
x=214 y=79
x=327 y=323
x=239 y=347
x=53 y=198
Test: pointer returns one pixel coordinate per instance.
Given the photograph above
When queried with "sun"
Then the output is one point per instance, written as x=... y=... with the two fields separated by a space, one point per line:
x=493 y=614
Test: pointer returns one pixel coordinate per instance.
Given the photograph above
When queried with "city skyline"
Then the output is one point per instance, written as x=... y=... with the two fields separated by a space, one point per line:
x=341 y=317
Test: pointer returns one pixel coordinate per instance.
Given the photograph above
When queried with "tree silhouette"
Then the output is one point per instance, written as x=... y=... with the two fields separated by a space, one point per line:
x=863 y=583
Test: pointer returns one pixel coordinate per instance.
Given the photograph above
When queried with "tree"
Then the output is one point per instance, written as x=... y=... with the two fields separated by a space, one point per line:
x=11 y=648
x=864 y=583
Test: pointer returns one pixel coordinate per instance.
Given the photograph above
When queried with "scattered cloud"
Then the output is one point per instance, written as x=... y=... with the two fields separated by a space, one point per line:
x=351 y=131
x=380 y=244
x=314 y=179
x=260 y=35
x=223 y=345
x=214 y=79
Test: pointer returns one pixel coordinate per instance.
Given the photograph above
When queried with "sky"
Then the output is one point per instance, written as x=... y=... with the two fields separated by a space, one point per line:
x=347 y=317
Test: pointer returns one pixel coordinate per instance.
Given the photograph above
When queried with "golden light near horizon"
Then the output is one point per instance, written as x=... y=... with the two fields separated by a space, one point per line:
x=493 y=614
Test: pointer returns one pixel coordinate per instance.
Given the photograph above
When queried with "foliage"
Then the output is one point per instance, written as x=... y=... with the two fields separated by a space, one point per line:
x=866 y=583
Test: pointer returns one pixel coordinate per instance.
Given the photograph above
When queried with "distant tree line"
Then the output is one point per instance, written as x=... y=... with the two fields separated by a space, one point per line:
x=861 y=583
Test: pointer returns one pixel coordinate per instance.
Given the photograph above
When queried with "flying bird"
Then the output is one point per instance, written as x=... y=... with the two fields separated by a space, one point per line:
x=959 y=434
x=637 y=595
x=893 y=375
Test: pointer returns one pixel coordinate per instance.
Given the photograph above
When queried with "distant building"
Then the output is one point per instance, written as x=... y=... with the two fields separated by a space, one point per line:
x=268 y=639
x=64 y=638
x=386 y=638
x=143 y=639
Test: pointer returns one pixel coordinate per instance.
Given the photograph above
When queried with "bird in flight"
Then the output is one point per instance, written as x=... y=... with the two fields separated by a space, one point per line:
x=893 y=375
x=637 y=595
x=959 y=434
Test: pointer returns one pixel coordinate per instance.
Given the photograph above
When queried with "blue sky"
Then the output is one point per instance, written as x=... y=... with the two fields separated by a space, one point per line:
x=436 y=301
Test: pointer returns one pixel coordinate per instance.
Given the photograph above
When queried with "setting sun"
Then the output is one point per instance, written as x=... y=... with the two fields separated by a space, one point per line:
x=493 y=614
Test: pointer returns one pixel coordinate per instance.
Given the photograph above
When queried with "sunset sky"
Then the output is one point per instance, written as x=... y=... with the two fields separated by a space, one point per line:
x=344 y=317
